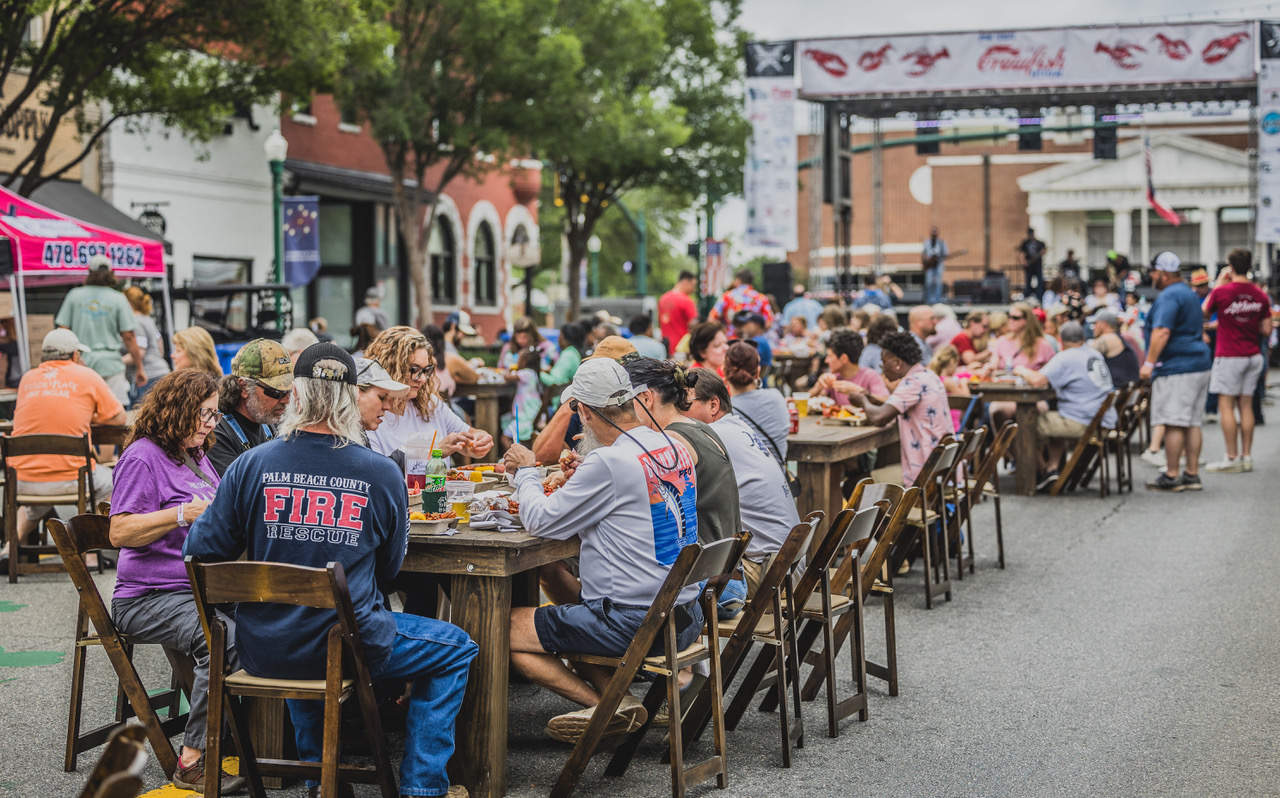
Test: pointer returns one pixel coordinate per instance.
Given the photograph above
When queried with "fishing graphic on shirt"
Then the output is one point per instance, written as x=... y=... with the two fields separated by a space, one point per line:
x=673 y=499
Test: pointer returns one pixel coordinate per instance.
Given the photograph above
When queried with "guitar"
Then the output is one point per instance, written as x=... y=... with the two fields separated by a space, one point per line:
x=931 y=261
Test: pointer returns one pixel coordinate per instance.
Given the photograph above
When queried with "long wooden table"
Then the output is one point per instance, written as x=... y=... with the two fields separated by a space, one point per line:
x=483 y=566
x=820 y=452
x=1025 y=451
x=488 y=412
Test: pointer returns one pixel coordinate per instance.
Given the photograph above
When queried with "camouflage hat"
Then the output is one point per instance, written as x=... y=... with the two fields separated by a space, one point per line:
x=266 y=361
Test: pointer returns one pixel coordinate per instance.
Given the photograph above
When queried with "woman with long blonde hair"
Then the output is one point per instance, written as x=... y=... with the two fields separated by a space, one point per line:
x=1024 y=344
x=408 y=357
x=193 y=349
x=144 y=329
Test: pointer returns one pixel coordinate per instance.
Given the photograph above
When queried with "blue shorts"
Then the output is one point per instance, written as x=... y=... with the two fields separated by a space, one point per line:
x=604 y=628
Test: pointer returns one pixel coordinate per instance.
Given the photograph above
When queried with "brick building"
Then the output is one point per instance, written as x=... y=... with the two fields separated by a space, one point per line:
x=471 y=248
x=982 y=195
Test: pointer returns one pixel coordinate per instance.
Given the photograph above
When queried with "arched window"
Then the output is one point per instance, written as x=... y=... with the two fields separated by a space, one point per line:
x=444 y=271
x=486 y=278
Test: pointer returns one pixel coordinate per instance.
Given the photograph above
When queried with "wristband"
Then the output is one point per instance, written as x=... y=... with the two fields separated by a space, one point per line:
x=182 y=520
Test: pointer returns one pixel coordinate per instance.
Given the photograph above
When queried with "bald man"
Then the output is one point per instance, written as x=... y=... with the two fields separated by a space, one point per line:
x=921 y=324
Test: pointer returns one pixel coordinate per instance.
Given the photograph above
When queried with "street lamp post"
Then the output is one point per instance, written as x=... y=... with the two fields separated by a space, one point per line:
x=277 y=148
x=593 y=247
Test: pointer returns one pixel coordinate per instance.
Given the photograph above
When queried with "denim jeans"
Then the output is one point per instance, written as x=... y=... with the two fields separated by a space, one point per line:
x=933 y=285
x=436 y=656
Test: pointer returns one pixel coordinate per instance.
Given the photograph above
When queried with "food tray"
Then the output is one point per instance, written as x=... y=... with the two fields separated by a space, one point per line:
x=844 y=422
x=428 y=528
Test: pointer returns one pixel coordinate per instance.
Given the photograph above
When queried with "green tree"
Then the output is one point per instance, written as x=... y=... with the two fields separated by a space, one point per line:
x=657 y=108
x=184 y=64
x=665 y=216
x=453 y=96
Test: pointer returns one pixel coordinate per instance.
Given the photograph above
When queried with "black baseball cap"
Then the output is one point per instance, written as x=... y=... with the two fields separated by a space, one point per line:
x=325 y=361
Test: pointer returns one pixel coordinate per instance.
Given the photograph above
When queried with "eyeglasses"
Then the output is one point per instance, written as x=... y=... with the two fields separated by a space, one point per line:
x=573 y=405
x=207 y=415
x=1019 y=317
x=271 y=393
x=420 y=373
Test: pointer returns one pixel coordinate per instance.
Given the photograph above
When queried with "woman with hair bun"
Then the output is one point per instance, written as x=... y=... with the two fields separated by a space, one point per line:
x=764 y=409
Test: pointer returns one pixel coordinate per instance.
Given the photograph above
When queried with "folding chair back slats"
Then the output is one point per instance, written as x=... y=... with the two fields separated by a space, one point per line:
x=23 y=446
x=118 y=773
x=265 y=582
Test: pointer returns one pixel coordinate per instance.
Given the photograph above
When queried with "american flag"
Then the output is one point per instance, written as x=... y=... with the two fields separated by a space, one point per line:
x=1168 y=214
x=714 y=276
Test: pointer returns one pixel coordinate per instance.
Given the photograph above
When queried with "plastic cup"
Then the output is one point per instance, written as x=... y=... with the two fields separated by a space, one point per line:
x=458 y=493
x=802 y=403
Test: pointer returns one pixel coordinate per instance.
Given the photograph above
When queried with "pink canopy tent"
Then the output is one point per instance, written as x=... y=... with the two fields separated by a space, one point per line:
x=43 y=242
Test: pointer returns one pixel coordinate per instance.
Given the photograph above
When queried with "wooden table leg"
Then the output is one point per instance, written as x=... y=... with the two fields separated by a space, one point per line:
x=482 y=607
x=1027 y=453
x=490 y=420
x=819 y=490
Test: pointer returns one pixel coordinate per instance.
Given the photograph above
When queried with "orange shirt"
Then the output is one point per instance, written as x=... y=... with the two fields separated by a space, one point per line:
x=59 y=397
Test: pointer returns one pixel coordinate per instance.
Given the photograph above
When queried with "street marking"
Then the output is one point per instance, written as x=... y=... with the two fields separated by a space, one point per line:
x=231 y=764
x=9 y=606
x=27 y=659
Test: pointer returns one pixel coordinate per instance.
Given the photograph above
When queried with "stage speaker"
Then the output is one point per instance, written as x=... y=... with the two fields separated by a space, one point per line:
x=776 y=279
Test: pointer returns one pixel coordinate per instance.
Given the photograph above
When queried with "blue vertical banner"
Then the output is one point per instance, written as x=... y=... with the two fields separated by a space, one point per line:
x=301 y=240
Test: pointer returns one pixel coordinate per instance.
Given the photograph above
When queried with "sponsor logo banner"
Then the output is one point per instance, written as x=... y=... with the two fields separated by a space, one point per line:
x=1268 y=213
x=770 y=180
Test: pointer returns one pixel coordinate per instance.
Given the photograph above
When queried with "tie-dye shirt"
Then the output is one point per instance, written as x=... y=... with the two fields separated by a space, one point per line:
x=924 y=417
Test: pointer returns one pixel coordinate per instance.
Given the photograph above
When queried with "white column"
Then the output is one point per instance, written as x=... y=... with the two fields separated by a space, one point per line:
x=1122 y=234
x=1209 y=239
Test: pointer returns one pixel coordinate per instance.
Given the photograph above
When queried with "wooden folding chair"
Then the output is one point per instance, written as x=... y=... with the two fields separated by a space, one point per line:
x=871 y=572
x=984 y=482
x=835 y=598
x=765 y=620
x=957 y=492
x=715 y=564
x=78 y=537
x=83 y=497
x=1089 y=453
x=118 y=773
x=277 y=583
x=935 y=549
x=1121 y=438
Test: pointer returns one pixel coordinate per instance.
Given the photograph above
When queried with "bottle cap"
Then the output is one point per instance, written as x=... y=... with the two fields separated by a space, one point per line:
x=437 y=452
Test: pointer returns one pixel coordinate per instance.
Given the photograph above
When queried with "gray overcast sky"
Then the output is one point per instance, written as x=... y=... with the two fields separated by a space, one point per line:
x=795 y=19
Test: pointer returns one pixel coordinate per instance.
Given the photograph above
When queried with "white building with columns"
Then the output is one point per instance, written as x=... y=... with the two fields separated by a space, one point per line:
x=1092 y=206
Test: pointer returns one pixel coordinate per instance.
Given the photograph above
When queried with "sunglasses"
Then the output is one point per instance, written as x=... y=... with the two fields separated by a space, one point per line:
x=1019 y=317
x=207 y=415
x=420 y=373
x=271 y=393
x=573 y=405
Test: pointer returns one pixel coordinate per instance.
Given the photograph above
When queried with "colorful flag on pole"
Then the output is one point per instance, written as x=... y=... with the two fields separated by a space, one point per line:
x=301 y=240
x=715 y=277
x=1168 y=214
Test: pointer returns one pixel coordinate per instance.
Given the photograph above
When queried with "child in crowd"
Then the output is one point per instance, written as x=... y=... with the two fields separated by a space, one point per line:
x=946 y=364
x=527 y=401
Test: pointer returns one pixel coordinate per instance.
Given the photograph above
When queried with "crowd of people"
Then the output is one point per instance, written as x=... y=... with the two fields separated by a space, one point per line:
x=666 y=436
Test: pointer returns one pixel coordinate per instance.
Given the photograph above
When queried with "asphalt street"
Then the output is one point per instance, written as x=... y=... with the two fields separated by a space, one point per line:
x=1129 y=649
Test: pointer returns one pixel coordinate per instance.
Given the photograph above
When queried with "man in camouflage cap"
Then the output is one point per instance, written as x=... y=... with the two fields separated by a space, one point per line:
x=252 y=399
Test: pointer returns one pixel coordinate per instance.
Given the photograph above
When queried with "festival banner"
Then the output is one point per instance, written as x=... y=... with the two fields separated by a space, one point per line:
x=301 y=240
x=1028 y=59
x=771 y=182
x=1268 y=214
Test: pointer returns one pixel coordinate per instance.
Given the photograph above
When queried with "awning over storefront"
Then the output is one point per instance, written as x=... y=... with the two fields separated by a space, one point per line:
x=333 y=181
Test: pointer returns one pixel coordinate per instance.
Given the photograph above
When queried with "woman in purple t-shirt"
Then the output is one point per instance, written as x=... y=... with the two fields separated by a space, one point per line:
x=165 y=482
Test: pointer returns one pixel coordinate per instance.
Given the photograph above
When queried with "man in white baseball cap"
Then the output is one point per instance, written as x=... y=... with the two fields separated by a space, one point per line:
x=632 y=501
x=61 y=396
x=377 y=392
x=1178 y=363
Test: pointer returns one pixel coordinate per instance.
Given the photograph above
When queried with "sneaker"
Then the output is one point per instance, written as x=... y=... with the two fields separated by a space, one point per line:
x=1226 y=466
x=568 y=728
x=904 y=568
x=191 y=777
x=1211 y=418
x=1247 y=462
x=1191 y=482
x=457 y=791
x=1153 y=459
x=1046 y=483
x=1166 y=484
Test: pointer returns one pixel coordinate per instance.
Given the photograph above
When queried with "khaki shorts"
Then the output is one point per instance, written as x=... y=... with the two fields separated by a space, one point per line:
x=101 y=487
x=1235 y=376
x=1053 y=424
x=1177 y=400
x=753 y=572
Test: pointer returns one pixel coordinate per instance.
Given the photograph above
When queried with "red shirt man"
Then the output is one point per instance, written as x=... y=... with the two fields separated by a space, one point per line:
x=676 y=310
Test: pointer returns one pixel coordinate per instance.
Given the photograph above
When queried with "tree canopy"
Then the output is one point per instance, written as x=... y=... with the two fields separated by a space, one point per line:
x=657 y=106
x=185 y=64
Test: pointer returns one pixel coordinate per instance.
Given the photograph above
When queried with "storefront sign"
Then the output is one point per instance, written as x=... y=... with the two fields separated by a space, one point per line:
x=31 y=121
x=1028 y=59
